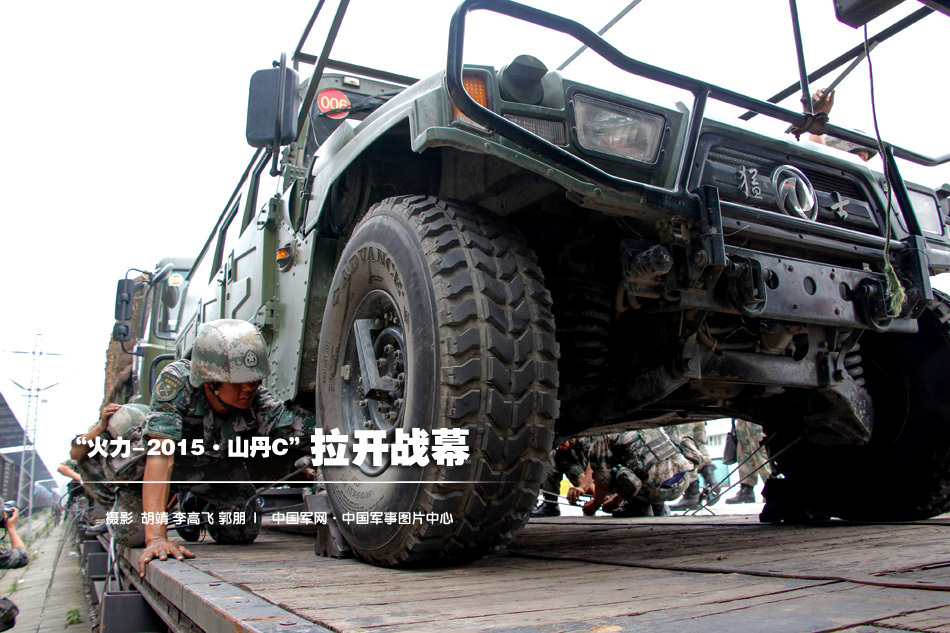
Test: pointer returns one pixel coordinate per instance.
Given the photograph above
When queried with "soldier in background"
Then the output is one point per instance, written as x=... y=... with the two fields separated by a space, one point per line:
x=207 y=401
x=570 y=460
x=74 y=487
x=749 y=436
x=13 y=555
x=116 y=421
x=85 y=472
x=642 y=469
x=691 y=497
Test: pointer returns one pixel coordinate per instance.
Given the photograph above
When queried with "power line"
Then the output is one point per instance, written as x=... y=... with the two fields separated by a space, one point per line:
x=28 y=456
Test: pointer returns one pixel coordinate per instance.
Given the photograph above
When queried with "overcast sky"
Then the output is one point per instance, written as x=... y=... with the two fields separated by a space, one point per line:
x=123 y=126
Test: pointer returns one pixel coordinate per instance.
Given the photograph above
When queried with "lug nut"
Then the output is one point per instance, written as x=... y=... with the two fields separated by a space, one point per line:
x=388 y=349
x=363 y=403
x=392 y=416
x=381 y=362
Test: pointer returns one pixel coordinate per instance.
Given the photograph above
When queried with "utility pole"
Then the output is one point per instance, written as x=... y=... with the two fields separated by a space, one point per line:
x=28 y=456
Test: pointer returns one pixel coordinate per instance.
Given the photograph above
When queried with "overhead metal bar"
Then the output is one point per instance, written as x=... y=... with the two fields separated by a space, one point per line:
x=321 y=63
x=844 y=58
x=305 y=35
x=800 y=54
x=607 y=27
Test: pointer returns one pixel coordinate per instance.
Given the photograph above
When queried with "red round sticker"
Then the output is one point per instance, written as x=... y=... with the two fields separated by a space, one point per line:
x=333 y=99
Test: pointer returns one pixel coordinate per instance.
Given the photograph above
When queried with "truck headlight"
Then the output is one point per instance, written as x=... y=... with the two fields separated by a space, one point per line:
x=617 y=130
x=927 y=212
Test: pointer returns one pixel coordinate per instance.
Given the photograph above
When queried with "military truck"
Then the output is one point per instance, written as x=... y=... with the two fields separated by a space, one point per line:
x=529 y=255
x=143 y=338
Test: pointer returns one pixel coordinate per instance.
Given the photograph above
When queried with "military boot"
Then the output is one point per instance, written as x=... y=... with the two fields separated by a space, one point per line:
x=746 y=494
x=633 y=508
x=690 y=498
x=708 y=471
x=546 y=509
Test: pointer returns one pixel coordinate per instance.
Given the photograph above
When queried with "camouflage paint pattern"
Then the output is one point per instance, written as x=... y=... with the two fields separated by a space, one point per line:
x=228 y=350
x=644 y=464
x=696 y=431
x=127 y=418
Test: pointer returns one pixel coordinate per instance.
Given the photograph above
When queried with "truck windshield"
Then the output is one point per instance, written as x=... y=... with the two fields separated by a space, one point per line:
x=747 y=47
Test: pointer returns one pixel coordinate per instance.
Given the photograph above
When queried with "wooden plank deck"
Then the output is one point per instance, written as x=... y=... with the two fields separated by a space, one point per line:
x=604 y=575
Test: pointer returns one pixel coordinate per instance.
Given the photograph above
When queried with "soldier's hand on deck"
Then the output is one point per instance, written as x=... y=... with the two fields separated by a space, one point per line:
x=573 y=494
x=162 y=549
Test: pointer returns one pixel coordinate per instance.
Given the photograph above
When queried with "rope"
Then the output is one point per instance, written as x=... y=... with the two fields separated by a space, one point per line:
x=894 y=287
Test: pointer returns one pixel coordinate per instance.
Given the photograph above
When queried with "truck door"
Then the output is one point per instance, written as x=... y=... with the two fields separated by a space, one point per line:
x=250 y=267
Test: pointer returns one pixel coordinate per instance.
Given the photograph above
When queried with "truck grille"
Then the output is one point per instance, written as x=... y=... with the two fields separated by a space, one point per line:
x=724 y=163
x=829 y=183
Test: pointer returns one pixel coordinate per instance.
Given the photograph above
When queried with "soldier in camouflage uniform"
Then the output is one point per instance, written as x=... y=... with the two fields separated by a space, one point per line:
x=87 y=493
x=641 y=467
x=691 y=496
x=215 y=397
x=749 y=436
x=570 y=460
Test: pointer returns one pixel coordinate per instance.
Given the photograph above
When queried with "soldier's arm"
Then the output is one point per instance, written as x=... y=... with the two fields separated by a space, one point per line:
x=10 y=525
x=169 y=399
x=79 y=448
x=155 y=488
x=69 y=472
x=585 y=486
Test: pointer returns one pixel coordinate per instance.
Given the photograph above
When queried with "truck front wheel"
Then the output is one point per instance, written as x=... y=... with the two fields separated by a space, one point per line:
x=438 y=322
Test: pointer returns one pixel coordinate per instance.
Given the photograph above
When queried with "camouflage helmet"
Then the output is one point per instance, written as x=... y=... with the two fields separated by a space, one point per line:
x=127 y=418
x=228 y=350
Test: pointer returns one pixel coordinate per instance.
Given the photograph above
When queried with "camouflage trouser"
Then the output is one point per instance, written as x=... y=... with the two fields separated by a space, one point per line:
x=93 y=480
x=644 y=465
x=748 y=436
x=570 y=462
x=696 y=431
x=212 y=498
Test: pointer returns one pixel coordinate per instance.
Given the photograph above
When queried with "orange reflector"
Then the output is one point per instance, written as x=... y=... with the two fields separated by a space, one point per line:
x=477 y=88
x=283 y=253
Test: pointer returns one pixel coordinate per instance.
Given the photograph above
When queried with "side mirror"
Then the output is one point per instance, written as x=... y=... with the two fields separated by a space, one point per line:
x=272 y=104
x=857 y=13
x=124 y=293
x=122 y=331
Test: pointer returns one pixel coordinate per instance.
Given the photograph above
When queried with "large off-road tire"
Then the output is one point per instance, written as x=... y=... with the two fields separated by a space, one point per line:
x=461 y=320
x=904 y=472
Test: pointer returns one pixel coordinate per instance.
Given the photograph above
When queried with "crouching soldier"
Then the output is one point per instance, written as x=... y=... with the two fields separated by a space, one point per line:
x=214 y=398
x=570 y=460
x=640 y=469
x=116 y=422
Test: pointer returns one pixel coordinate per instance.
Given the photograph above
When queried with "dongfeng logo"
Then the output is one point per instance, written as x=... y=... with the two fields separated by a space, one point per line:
x=793 y=193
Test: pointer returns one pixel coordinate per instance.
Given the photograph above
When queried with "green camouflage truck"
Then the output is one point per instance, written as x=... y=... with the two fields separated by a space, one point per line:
x=529 y=255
